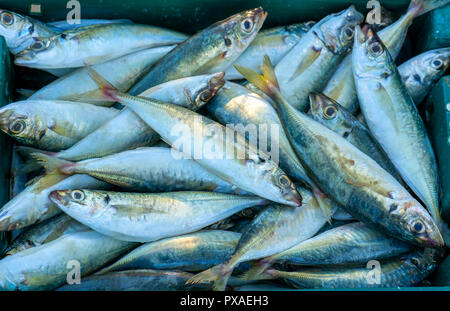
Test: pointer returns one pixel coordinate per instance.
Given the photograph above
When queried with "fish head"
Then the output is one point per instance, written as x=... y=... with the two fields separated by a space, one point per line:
x=336 y=31
x=329 y=113
x=284 y=187
x=202 y=94
x=80 y=201
x=239 y=30
x=10 y=220
x=423 y=260
x=41 y=49
x=416 y=224
x=15 y=28
x=371 y=59
x=19 y=123
x=432 y=65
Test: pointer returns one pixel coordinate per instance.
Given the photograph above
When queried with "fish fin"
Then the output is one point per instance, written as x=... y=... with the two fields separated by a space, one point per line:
x=420 y=7
x=53 y=164
x=306 y=62
x=47 y=181
x=324 y=203
x=219 y=275
x=109 y=91
x=267 y=82
x=256 y=272
x=30 y=166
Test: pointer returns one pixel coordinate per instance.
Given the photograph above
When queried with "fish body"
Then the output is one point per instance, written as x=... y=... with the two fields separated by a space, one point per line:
x=190 y=252
x=52 y=124
x=64 y=25
x=210 y=50
x=94 y=44
x=149 y=217
x=48 y=266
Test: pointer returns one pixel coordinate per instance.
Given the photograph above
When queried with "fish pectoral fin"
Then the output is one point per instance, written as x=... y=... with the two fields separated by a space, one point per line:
x=211 y=64
x=306 y=62
x=386 y=104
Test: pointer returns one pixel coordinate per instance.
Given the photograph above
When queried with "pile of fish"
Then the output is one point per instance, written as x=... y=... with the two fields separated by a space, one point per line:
x=137 y=168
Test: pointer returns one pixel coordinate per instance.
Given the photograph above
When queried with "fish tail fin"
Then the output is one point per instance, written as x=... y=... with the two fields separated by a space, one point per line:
x=267 y=82
x=324 y=203
x=109 y=91
x=256 y=272
x=219 y=275
x=30 y=165
x=53 y=164
x=420 y=7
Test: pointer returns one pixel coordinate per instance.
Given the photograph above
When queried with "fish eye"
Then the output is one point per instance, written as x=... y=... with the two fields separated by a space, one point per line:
x=7 y=18
x=228 y=42
x=38 y=45
x=415 y=261
x=418 y=226
x=348 y=32
x=247 y=25
x=77 y=195
x=375 y=49
x=437 y=64
x=17 y=126
x=206 y=95
x=329 y=112
x=284 y=181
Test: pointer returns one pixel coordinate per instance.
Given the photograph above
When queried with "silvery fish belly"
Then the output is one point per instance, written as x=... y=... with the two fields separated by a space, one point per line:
x=52 y=124
x=393 y=118
x=210 y=50
x=33 y=205
x=274 y=42
x=420 y=73
x=148 y=217
x=307 y=67
x=19 y=31
x=45 y=267
x=122 y=72
x=116 y=135
x=94 y=44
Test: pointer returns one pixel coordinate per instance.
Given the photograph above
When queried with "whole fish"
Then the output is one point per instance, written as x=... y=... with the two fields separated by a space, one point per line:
x=210 y=50
x=52 y=124
x=341 y=86
x=123 y=73
x=190 y=252
x=394 y=120
x=349 y=176
x=116 y=135
x=48 y=266
x=354 y=243
x=136 y=280
x=45 y=232
x=420 y=73
x=64 y=25
x=335 y=117
x=146 y=169
x=274 y=230
x=141 y=217
x=19 y=31
x=307 y=67
x=275 y=42
x=222 y=151
x=94 y=44
x=405 y=271
x=33 y=205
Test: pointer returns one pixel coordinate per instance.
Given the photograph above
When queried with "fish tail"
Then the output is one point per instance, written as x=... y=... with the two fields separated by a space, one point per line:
x=219 y=275
x=324 y=203
x=420 y=7
x=267 y=82
x=256 y=272
x=30 y=165
x=109 y=91
x=53 y=164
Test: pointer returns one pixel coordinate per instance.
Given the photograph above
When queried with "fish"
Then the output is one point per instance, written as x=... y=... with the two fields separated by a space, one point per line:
x=210 y=50
x=52 y=124
x=405 y=271
x=350 y=244
x=93 y=44
x=335 y=117
x=274 y=230
x=220 y=150
x=64 y=25
x=145 y=169
x=190 y=252
x=275 y=42
x=341 y=86
x=32 y=205
x=49 y=266
x=115 y=135
x=421 y=72
x=136 y=280
x=347 y=175
x=19 y=31
x=147 y=217
x=123 y=72
x=307 y=67
x=45 y=232
x=394 y=120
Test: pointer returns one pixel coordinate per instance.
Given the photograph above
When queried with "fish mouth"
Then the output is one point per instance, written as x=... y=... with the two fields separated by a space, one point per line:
x=259 y=15
x=317 y=101
x=58 y=197
x=353 y=16
x=434 y=240
x=5 y=118
x=216 y=82
x=6 y=223
x=294 y=198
